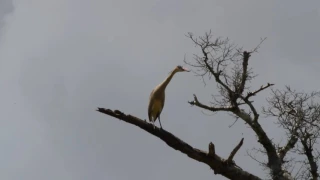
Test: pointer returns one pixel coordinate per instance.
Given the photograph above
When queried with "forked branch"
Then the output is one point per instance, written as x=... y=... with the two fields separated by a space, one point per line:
x=290 y=145
x=250 y=94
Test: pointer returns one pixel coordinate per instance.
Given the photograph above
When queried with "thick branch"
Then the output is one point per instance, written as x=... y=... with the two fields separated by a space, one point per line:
x=252 y=108
x=312 y=162
x=274 y=162
x=290 y=144
x=245 y=61
x=215 y=162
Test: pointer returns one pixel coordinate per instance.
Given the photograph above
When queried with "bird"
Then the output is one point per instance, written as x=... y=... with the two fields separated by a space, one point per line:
x=157 y=96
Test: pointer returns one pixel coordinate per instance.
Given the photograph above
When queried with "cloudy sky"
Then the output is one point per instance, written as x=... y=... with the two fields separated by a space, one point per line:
x=60 y=59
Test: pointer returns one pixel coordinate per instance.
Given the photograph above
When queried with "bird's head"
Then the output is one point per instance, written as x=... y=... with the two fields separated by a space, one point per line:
x=181 y=69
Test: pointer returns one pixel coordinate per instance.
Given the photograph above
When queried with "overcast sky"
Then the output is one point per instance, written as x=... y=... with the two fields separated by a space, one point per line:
x=61 y=59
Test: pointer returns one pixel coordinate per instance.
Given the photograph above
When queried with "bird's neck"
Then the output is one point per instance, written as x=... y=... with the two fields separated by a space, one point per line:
x=164 y=84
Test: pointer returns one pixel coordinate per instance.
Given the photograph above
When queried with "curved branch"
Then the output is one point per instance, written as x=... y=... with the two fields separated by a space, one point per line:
x=219 y=165
x=235 y=150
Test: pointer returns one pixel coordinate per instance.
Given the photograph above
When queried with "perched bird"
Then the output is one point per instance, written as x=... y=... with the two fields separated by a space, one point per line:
x=157 y=96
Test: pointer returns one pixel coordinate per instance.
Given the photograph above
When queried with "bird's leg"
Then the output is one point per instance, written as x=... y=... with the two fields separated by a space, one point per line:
x=154 y=127
x=160 y=122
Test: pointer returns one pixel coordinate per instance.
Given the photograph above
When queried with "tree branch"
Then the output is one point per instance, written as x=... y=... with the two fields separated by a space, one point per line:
x=211 y=150
x=204 y=44
x=245 y=61
x=250 y=94
x=290 y=145
x=252 y=108
x=235 y=150
x=308 y=152
x=214 y=161
x=213 y=109
x=291 y=142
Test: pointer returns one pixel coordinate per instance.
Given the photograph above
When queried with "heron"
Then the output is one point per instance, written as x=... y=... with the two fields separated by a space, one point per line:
x=157 y=96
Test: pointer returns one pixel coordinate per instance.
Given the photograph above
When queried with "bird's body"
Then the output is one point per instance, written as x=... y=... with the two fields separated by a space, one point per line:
x=156 y=103
x=157 y=97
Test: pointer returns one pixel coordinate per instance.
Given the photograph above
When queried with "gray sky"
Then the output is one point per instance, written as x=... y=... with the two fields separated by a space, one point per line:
x=60 y=59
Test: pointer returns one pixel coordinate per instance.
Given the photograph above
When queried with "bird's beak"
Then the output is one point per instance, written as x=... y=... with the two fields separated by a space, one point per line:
x=185 y=69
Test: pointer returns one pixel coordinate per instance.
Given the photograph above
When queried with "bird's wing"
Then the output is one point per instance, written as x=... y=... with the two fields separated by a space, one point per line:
x=151 y=94
x=150 y=105
x=162 y=101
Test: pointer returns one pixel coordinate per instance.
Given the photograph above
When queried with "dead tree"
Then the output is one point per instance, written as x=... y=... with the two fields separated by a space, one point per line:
x=298 y=113
x=228 y=66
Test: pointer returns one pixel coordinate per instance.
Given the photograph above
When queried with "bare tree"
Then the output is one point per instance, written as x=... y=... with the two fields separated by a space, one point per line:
x=297 y=113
